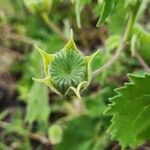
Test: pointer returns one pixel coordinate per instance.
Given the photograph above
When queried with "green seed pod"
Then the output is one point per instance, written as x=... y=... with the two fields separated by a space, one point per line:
x=38 y=6
x=67 y=71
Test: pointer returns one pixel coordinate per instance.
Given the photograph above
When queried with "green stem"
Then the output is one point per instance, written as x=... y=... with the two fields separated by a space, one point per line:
x=123 y=43
x=53 y=26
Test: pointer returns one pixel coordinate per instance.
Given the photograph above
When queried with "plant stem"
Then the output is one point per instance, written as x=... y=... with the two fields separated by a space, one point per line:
x=53 y=26
x=123 y=43
x=142 y=62
x=40 y=138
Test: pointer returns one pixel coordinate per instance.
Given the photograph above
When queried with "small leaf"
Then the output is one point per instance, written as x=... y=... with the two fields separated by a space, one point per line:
x=108 y=6
x=112 y=42
x=143 y=42
x=55 y=134
x=79 y=5
x=117 y=19
x=37 y=108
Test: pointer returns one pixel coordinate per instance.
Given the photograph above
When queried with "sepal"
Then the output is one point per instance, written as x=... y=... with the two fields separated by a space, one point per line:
x=88 y=60
x=47 y=58
x=71 y=44
x=77 y=90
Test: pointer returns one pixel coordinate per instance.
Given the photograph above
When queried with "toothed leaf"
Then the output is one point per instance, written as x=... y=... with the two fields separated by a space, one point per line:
x=131 y=110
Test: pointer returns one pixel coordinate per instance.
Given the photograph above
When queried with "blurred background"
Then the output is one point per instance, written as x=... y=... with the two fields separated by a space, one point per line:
x=31 y=115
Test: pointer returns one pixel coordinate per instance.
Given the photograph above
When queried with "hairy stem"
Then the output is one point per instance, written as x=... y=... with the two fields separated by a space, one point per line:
x=123 y=43
x=53 y=26
x=142 y=62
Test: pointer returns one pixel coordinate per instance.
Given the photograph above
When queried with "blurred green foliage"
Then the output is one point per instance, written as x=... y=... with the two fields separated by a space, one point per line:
x=36 y=118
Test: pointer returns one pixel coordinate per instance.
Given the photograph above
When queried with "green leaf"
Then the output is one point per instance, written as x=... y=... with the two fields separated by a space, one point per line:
x=82 y=133
x=55 y=134
x=79 y=5
x=130 y=110
x=143 y=38
x=117 y=19
x=34 y=94
x=108 y=6
x=112 y=42
x=3 y=145
x=37 y=108
x=95 y=105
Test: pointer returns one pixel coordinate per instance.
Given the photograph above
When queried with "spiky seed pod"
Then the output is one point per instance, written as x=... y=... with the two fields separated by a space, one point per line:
x=38 y=6
x=68 y=70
